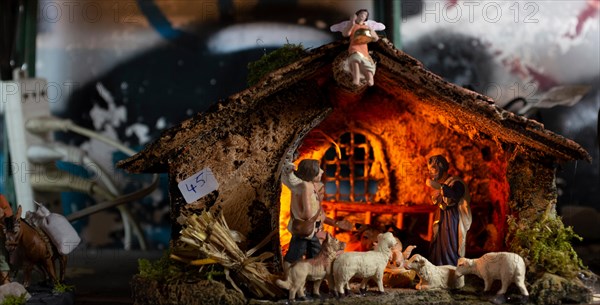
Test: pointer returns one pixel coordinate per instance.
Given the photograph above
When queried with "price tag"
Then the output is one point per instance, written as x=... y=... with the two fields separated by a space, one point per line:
x=198 y=185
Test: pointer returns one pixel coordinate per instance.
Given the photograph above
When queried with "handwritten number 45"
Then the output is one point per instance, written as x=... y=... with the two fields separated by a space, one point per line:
x=199 y=182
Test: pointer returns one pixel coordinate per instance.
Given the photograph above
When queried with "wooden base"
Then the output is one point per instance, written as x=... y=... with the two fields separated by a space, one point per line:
x=147 y=291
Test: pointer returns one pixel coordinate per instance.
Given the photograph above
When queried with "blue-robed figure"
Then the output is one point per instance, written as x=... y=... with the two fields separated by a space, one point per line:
x=454 y=216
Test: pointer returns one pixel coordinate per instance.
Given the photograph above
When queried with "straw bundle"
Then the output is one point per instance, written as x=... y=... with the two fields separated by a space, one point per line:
x=210 y=235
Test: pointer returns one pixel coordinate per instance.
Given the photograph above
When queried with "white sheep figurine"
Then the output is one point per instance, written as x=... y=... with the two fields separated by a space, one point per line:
x=434 y=277
x=13 y=289
x=507 y=267
x=365 y=265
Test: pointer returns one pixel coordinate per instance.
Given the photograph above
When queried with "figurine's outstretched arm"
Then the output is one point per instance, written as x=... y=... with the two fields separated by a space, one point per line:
x=289 y=179
x=408 y=250
x=348 y=30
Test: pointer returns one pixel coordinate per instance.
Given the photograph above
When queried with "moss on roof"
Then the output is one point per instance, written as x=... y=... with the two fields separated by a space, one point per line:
x=399 y=75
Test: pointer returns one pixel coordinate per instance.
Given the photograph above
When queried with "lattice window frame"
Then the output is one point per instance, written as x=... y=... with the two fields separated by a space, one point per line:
x=346 y=168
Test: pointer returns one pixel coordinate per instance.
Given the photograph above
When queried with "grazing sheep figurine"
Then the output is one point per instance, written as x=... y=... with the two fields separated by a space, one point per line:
x=365 y=265
x=434 y=277
x=504 y=266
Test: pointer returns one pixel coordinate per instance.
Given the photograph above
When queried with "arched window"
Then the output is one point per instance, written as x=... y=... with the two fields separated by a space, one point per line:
x=347 y=170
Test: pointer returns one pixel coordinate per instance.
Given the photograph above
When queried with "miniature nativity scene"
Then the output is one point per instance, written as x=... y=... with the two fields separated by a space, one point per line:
x=328 y=171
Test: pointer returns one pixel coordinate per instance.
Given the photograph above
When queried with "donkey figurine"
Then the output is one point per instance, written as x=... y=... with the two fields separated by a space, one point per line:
x=25 y=241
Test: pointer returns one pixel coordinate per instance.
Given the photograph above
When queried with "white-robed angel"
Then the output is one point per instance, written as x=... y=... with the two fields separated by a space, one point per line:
x=361 y=31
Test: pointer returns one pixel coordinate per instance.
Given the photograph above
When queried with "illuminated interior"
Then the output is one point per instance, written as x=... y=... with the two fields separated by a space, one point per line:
x=374 y=153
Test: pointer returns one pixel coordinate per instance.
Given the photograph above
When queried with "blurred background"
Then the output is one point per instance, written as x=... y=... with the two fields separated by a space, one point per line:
x=129 y=69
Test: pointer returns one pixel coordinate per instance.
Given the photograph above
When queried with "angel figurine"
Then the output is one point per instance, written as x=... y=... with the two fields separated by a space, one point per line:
x=361 y=31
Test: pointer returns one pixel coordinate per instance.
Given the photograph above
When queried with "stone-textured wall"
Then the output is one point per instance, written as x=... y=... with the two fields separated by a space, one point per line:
x=534 y=194
x=537 y=234
x=407 y=135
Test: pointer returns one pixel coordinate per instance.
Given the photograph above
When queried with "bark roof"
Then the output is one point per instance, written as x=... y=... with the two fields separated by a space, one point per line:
x=398 y=75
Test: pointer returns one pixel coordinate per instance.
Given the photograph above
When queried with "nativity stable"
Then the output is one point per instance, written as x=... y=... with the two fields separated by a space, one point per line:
x=373 y=144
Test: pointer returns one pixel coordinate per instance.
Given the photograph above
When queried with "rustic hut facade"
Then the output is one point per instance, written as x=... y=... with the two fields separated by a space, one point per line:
x=373 y=143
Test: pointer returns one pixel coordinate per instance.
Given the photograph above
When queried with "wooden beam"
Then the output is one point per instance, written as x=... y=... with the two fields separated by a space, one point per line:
x=378 y=208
